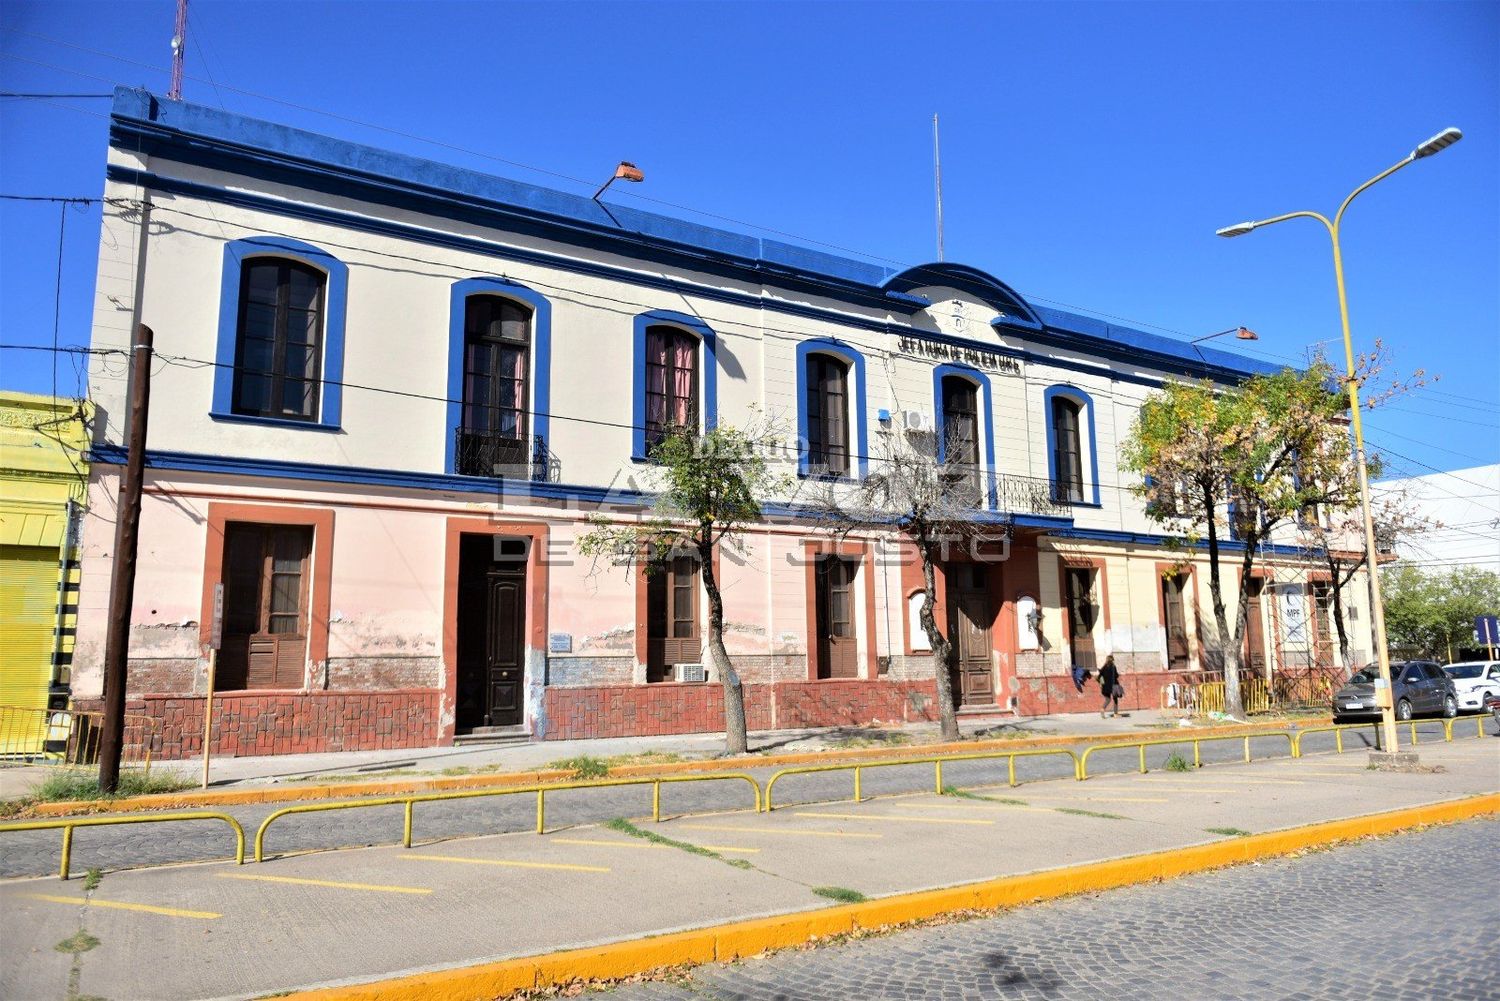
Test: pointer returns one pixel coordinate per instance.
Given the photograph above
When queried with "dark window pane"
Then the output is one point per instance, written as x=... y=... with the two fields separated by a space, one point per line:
x=279 y=339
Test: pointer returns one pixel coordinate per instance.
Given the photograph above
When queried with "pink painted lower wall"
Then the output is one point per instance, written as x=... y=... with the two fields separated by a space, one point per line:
x=287 y=722
x=654 y=710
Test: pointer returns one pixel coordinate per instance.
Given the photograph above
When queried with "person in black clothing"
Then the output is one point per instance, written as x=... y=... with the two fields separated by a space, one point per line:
x=1080 y=677
x=1109 y=684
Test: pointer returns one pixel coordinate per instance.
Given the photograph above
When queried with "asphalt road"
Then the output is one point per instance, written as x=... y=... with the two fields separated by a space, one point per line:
x=31 y=853
x=1405 y=917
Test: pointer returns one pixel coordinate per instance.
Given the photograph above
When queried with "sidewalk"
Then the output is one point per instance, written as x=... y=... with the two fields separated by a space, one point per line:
x=217 y=930
x=530 y=756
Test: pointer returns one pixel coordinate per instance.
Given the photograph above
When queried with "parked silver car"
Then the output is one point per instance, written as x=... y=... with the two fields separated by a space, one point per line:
x=1417 y=687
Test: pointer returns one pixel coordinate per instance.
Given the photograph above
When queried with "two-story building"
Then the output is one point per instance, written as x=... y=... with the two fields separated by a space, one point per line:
x=389 y=393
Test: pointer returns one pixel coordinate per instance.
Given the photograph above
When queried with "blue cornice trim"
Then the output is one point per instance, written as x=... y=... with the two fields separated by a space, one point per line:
x=1084 y=344
x=541 y=354
x=987 y=409
x=856 y=361
x=336 y=298
x=709 y=366
x=1152 y=539
x=1086 y=404
x=963 y=278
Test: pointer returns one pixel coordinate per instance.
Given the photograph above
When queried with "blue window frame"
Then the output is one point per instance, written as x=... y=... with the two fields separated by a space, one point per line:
x=540 y=348
x=1082 y=407
x=328 y=411
x=986 y=419
x=856 y=366
x=708 y=373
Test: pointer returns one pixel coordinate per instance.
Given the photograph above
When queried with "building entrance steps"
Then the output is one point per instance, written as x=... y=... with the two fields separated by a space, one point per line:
x=330 y=917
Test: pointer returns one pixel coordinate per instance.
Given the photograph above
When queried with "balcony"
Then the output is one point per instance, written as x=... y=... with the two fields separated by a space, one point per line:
x=492 y=454
x=1013 y=494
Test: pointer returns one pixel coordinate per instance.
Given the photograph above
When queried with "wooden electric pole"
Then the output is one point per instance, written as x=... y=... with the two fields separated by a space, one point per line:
x=122 y=571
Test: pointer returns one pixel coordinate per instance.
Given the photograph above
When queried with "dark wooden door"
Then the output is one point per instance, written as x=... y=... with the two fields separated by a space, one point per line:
x=266 y=591
x=1255 y=632
x=672 y=633
x=491 y=633
x=837 y=643
x=973 y=617
x=1323 y=641
x=1178 y=652
x=1078 y=597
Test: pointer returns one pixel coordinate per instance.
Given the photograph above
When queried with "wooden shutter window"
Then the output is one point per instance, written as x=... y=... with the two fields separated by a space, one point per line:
x=836 y=644
x=279 y=340
x=1067 y=452
x=827 y=416
x=671 y=383
x=961 y=438
x=673 y=636
x=267 y=588
x=1172 y=588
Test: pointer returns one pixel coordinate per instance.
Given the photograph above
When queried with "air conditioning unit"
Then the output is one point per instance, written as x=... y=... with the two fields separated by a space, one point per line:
x=691 y=672
x=915 y=420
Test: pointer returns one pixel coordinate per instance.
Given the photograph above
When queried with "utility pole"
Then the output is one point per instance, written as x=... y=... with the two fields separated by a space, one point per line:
x=122 y=572
x=937 y=172
x=179 y=47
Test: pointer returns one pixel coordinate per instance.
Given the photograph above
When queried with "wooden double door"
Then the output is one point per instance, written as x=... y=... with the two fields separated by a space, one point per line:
x=491 y=632
x=971 y=609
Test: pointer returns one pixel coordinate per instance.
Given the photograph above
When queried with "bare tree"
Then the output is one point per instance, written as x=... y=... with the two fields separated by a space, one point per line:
x=935 y=504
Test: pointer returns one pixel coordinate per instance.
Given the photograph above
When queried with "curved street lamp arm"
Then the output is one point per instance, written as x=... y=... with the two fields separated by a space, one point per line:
x=1300 y=215
x=1338 y=216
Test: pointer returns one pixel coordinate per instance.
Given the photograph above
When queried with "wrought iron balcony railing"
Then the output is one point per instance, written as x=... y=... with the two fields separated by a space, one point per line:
x=490 y=453
x=1012 y=494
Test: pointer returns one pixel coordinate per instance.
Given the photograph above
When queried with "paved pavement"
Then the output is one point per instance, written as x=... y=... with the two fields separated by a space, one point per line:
x=36 y=853
x=1411 y=916
x=219 y=930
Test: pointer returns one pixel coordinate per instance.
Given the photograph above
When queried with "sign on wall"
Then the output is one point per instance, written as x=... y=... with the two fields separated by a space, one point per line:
x=1293 y=601
x=987 y=361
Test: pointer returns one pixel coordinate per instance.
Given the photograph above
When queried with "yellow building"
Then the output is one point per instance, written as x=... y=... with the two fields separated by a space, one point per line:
x=43 y=483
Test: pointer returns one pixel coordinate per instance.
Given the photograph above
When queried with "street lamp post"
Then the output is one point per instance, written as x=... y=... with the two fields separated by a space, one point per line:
x=1436 y=144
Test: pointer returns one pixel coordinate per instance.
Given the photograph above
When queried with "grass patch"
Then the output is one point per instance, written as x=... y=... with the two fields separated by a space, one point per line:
x=876 y=739
x=585 y=766
x=1229 y=832
x=954 y=791
x=78 y=783
x=626 y=827
x=842 y=894
x=1089 y=813
x=80 y=942
x=1177 y=763
x=91 y=879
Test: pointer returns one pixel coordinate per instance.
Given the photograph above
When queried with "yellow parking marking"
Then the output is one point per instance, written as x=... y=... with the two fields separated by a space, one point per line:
x=988 y=808
x=644 y=844
x=906 y=820
x=1232 y=778
x=728 y=848
x=505 y=862
x=777 y=830
x=171 y=912
x=1101 y=799
x=332 y=884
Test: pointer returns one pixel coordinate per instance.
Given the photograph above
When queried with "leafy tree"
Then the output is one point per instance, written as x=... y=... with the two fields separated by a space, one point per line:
x=1433 y=613
x=1240 y=461
x=710 y=490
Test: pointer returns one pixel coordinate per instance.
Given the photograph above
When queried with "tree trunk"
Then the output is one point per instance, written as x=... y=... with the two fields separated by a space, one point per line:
x=1228 y=642
x=1337 y=582
x=942 y=650
x=734 y=692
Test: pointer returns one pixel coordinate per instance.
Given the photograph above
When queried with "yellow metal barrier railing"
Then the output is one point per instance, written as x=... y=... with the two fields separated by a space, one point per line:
x=1338 y=731
x=409 y=802
x=1196 y=741
x=936 y=761
x=68 y=736
x=1207 y=697
x=68 y=824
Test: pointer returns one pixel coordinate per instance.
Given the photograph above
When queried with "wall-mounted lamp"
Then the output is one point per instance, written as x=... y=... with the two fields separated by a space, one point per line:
x=626 y=171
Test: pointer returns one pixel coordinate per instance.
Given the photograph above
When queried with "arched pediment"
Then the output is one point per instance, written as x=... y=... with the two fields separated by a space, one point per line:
x=1005 y=301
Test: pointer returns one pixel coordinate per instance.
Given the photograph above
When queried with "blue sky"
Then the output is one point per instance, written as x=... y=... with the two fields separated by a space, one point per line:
x=1089 y=151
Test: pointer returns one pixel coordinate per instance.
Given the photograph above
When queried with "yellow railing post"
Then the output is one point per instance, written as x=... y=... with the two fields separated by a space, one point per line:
x=656 y=801
x=857 y=796
x=541 y=810
x=1197 y=754
x=1011 y=769
x=67 y=852
x=406 y=823
x=938 y=779
x=1247 y=748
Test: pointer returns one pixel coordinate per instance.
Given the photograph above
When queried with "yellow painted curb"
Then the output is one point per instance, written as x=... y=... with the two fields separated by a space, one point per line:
x=748 y=938
x=350 y=790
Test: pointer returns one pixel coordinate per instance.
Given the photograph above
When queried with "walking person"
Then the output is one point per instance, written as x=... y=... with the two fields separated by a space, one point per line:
x=1109 y=684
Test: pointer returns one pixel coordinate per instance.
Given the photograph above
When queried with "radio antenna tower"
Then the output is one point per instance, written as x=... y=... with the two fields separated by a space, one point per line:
x=937 y=171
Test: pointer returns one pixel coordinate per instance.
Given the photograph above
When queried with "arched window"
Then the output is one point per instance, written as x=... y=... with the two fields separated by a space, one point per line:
x=1067 y=450
x=279 y=339
x=960 y=445
x=827 y=415
x=497 y=354
x=671 y=382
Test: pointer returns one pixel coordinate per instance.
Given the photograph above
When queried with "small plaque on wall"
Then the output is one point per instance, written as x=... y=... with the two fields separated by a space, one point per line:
x=559 y=642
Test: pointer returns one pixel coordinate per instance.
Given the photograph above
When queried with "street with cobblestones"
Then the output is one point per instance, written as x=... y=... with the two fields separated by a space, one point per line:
x=1409 y=916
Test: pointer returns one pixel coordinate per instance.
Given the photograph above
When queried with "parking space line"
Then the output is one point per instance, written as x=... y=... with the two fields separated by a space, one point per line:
x=1231 y=778
x=116 y=905
x=990 y=808
x=730 y=848
x=907 y=820
x=505 y=862
x=606 y=844
x=330 y=883
x=1101 y=799
x=778 y=830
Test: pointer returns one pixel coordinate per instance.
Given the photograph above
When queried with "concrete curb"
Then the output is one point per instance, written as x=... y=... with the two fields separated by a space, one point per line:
x=350 y=790
x=722 y=943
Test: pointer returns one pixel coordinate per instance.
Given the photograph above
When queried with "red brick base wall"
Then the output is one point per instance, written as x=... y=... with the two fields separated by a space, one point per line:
x=289 y=722
x=654 y=710
x=1055 y=694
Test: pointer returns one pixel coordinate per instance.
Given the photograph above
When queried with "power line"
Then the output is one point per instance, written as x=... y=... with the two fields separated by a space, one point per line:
x=14 y=94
